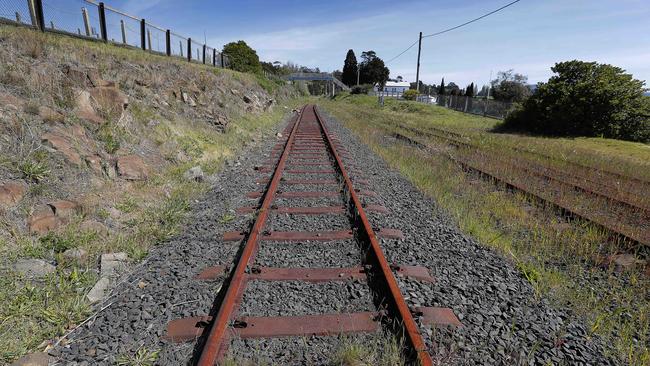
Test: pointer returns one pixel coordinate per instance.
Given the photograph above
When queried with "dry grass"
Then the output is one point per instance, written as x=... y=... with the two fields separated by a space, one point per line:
x=555 y=257
x=149 y=212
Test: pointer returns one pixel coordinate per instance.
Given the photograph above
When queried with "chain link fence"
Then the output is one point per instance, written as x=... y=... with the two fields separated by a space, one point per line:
x=91 y=19
x=479 y=106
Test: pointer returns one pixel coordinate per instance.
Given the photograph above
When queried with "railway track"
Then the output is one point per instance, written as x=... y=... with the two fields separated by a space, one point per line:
x=616 y=225
x=580 y=172
x=310 y=164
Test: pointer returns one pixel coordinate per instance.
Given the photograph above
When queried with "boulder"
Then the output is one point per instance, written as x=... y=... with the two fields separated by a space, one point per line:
x=98 y=292
x=33 y=268
x=33 y=359
x=132 y=167
x=49 y=115
x=62 y=144
x=110 y=98
x=43 y=220
x=194 y=174
x=111 y=264
x=84 y=108
x=93 y=226
x=75 y=255
x=11 y=193
x=65 y=209
x=94 y=162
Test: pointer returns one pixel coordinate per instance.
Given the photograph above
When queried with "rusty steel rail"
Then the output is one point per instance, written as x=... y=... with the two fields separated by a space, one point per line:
x=401 y=310
x=310 y=144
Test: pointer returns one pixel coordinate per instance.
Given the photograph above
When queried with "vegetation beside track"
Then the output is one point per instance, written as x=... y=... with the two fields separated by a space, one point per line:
x=132 y=216
x=562 y=260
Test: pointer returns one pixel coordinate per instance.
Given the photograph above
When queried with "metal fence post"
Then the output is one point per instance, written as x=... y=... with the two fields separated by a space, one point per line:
x=168 y=42
x=102 y=22
x=223 y=65
x=38 y=12
x=204 y=46
x=214 y=57
x=149 y=38
x=123 y=31
x=143 y=40
x=189 y=49
x=84 y=15
x=180 y=44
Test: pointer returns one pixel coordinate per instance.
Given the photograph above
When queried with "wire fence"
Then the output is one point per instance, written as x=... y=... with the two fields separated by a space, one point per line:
x=94 y=20
x=479 y=106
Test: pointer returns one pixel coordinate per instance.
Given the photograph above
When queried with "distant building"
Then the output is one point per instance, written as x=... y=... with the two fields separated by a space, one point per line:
x=394 y=88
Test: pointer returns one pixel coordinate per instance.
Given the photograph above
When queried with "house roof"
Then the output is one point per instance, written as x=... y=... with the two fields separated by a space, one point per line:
x=398 y=84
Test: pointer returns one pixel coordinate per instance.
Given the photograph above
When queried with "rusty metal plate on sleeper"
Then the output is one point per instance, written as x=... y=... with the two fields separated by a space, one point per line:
x=390 y=233
x=186 y=329
x=437 y=316
x=306 y=274
x=305 y=325
x=305 y=194
x=303 y=171
x=211 y=273
x=418 y=272
x=308 y=235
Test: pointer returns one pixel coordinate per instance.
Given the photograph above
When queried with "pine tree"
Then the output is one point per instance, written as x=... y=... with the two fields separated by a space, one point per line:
x=441 y=90
x=470 y=90
x=350 y=68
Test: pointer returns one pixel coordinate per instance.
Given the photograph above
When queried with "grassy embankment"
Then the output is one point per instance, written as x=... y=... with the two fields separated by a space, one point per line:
x=33 y=313
x=560 y=260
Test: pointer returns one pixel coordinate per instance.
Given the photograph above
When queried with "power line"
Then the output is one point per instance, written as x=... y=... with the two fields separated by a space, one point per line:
x=471 y=21
x=453 y=28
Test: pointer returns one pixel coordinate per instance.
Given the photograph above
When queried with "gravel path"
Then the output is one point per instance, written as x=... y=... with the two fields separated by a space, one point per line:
x=503 y=323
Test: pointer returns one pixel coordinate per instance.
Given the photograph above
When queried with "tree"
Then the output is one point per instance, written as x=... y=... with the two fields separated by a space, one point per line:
x=350 y=69
x=400 y=78
x=337 y=74
x=469 y=91
x=372 y=69
x=510 y=87
x=441 y=89
x=484 y=91
x=452 y=88
x=586 y=99
x=242 y=57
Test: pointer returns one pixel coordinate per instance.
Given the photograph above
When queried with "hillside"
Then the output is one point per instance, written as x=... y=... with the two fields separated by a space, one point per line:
x=102 y=149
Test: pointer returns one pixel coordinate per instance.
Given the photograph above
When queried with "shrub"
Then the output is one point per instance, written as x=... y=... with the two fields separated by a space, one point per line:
x=585 y=99
x=361 y=89
x=242 y=57
x=410 y=94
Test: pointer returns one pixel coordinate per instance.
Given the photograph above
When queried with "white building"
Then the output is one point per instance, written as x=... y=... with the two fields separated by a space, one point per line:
x=395 y=88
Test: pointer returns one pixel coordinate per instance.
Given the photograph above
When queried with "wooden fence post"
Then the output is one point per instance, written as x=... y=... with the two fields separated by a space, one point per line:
x=40 y=17
x=123 y=31
x=189 y=49
x=168 y=42
x=32 y=12
x=143 y=40
x=84 y=15
x=102 y=22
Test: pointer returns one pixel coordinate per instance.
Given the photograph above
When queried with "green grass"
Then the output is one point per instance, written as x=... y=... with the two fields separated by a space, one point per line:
x=557 y=260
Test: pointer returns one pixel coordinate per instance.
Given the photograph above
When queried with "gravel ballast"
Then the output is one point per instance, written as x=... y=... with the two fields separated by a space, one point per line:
x=503 y=322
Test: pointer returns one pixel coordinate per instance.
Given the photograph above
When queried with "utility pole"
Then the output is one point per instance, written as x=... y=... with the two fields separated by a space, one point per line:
x=417 y=72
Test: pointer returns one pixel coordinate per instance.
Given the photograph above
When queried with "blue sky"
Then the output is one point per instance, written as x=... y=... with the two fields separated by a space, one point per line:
x=528 y=37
